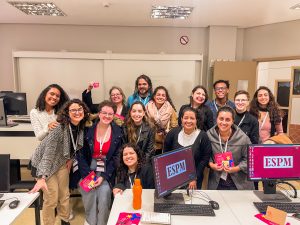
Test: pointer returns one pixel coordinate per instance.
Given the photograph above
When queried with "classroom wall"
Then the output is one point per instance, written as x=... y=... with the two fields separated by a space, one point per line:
x=93 y=39
x=275 y=40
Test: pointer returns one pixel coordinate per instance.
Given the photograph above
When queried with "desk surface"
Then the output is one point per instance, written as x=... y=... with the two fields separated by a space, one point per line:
x=8 y=215
x=236 y=208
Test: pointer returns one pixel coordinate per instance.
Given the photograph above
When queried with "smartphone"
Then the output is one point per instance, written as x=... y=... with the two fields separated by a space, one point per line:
x=296 y=216
x=96 y=84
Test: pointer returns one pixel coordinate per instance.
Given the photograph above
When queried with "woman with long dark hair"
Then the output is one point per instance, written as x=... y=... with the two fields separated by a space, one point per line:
x=228 y=165
x=49 y=161
x=162 y=112
x=265 y=109
x=189 y=135
x=43 y=116
x=140 y=131
x=131 y=167
x=198 y=99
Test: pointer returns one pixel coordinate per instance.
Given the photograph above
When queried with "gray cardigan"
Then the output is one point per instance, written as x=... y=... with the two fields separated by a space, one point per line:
x=54 y=151
x=237 y=144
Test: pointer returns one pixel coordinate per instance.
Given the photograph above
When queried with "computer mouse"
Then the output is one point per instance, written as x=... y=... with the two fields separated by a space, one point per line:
x=214 y=204
x=14 y=204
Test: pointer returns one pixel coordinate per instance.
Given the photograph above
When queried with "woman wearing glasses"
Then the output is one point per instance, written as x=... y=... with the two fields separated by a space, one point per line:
x=49 y=161
x=243 y=119
x=99 y=154
x=116 y=95
x=140 y=131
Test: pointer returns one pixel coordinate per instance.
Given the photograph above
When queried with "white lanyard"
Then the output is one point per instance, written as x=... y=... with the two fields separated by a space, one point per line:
x=130 y=181
x=72 y=138
x=217 y=106
x=264 y=120
x=139 y=134
x=241 y=120
x=226 y=144
x=101 y=143
x=143 y=101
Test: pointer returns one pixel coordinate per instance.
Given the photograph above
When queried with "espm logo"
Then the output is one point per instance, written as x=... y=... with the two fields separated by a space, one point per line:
x=278 y=162
x=175 y=169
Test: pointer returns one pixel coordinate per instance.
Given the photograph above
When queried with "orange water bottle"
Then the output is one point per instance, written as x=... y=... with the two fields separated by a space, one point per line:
x=137 y=194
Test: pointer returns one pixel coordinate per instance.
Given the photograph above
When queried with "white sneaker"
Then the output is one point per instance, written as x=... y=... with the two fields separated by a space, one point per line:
x=86 y=223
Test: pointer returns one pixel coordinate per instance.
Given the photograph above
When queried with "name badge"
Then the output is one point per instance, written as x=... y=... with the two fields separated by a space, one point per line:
x=224 y=175
x=101 y=164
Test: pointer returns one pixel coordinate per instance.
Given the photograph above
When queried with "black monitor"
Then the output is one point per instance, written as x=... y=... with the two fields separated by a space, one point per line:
x=272 y=163
x=14 y=103
x=173 y=170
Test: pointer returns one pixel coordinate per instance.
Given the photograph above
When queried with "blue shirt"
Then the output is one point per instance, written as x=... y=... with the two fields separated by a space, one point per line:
x=215 y=107
x=135 y=97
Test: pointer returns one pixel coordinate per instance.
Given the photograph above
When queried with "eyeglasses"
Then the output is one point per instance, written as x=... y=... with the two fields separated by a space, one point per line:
x=80 y=110
x=115 y=95
x=241 y=100
x=107 y=114
x=220 y=88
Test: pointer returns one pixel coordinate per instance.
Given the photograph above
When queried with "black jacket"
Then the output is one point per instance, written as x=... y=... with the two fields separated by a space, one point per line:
x=201 y=149
x=146 y=141
x=249 y=126
x=85 y=154
x=87 y=99
x=204 y=117
x=145 y=174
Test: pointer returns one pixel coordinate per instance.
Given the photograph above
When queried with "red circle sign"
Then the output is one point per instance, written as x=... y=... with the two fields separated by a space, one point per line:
x=184 y=40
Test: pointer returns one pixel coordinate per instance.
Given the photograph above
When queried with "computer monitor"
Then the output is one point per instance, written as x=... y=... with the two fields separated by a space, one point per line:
x=14 y=103
x=173 y=170
x=269 y=163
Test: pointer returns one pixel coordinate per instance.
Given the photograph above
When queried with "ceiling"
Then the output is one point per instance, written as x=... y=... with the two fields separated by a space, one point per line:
x=240 y=13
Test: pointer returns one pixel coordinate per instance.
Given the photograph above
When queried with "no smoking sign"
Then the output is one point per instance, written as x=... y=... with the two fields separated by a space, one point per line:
x=184 y=40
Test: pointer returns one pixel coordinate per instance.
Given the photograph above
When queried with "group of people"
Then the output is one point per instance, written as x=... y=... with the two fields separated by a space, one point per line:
x=117 y=140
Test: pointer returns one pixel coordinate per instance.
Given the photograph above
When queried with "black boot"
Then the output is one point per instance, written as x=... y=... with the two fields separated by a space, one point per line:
x=64 y=222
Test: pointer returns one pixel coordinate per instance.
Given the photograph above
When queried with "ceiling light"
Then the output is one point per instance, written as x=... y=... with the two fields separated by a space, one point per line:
x=296 y=6
x=38 y=8
x=171 y=12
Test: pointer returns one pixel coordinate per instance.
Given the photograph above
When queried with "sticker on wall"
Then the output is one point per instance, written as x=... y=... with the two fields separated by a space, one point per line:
x=184 y=40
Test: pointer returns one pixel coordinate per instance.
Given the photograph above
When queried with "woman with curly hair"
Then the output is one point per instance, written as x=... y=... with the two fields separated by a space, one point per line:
x=43 y=116
x=264 y=107
x=131 y=167
x=198 y=101
x=162 y=112
x=49 y=161
x=139 y=130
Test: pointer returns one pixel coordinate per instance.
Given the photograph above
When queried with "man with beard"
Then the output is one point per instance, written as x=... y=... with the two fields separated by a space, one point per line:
x=143 y=91
x=221 y=88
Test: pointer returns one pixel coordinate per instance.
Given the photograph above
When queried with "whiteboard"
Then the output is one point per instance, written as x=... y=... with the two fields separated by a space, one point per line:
x=73 y=75
x=73 y=71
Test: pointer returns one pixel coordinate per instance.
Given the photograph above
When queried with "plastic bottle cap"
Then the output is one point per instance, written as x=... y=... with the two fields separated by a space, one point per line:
x=137 y=181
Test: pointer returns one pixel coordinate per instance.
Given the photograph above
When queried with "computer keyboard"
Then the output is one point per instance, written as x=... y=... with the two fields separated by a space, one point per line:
x=289 y=207
x=184 y=209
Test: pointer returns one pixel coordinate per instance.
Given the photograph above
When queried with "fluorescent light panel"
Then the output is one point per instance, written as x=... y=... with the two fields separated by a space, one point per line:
x=38 y=8
x=296 y=6
x=171 y=12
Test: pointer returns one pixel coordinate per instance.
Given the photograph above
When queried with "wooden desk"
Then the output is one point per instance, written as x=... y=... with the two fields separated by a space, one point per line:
x=236 y=207
x=18 y=141
x=7 y=215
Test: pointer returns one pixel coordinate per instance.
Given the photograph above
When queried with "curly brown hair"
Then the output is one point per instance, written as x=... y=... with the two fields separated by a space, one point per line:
x=273 y=108
x=131 y=127
x=167 y=95
x=63 y=114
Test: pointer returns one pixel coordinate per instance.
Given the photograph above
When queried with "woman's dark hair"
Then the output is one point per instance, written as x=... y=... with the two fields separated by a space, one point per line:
x=131 y=127
x=122 y=171
x=63 y=114
x=120 y=90
x=41 y=103
x=226 y=109
x=199 y=120
x=147 y=79
x=275 y=113
x=242 y=92
x=108 y=104
x=167 y=95
x=195 y=89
